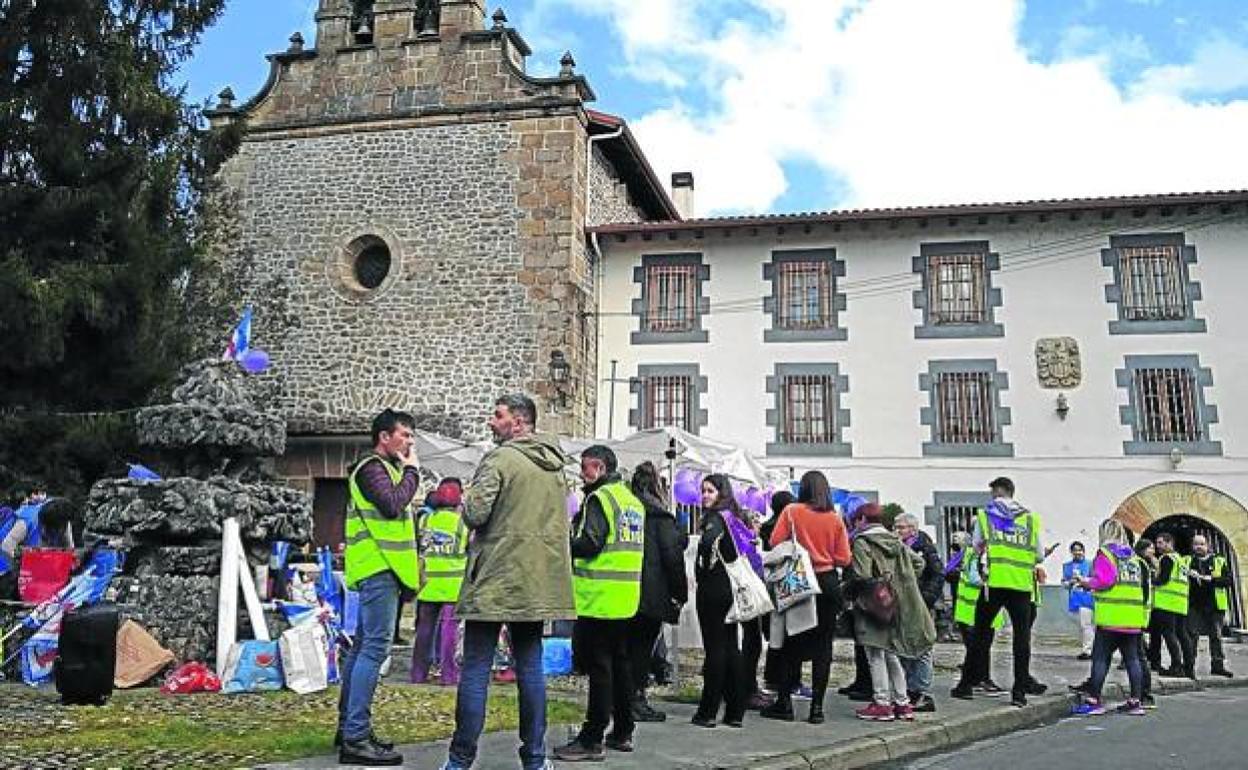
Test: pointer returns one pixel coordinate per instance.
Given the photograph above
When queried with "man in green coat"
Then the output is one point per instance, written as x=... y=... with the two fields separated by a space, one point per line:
x=519 y=573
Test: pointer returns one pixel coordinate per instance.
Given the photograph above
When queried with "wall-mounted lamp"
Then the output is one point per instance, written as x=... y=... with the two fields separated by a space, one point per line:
x=561 y=376
x=1063 y=406
x=1176 y=458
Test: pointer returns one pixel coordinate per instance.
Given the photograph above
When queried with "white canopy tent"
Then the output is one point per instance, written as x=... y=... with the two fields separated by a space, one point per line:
x=444 y=456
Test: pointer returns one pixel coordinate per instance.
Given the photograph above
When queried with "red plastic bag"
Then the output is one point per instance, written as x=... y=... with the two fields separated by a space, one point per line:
x=191 y=677
x=44 y=571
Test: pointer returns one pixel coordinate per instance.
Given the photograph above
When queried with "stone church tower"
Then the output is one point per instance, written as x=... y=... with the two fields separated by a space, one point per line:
x=423 y=200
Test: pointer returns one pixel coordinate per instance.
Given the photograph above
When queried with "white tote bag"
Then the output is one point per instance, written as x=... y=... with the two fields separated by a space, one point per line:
x=749 y=594
x=304 y=661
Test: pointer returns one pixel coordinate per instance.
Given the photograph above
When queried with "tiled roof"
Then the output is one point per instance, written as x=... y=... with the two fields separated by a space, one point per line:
x=1225 y=197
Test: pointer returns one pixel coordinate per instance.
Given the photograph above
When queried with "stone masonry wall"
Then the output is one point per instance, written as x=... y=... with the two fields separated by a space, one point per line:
x=608 y=196
x=450 y=329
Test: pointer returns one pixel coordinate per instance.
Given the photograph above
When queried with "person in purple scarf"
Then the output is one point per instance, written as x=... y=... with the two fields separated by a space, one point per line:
x=1119 y=617
x=726 y=537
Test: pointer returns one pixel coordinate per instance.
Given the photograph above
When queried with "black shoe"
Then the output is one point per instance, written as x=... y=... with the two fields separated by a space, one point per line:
x=781 y=710
x=644 y=712
x=1035 y=688
x=989 y=688
x=851 y=688
x=619 y=744
x=575 y=751
x=816 y=715
x=1081 y=688
x=372 y=737
x=1018 y=699
x=703 y=722
x=1221 y=671
x=400 y=642
x=1174 y=672
x=368 y=754
x=962 y=692
x=1083 y=656
x=737 y=723
x=924 y=704
x=861 y=696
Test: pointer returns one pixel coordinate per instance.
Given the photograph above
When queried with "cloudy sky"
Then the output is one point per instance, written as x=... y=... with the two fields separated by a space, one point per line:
x=799 y=105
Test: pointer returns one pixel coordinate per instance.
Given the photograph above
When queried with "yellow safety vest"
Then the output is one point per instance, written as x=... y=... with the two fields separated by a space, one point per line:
x=1011 y=555
x=1172 y=595
x=968 y=596
x=1122 y=605
x=608 y=586
x=444 y=548
x=375 y=543
x=1220 y=594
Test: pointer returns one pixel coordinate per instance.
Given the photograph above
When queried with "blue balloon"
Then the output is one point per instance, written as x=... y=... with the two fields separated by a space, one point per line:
x=840 y=497
x=853 y=504
x=254 y=361
x=142 y=473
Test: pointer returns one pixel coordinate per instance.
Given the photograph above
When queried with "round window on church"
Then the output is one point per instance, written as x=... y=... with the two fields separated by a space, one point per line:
x=372 y=265
x=366 y=266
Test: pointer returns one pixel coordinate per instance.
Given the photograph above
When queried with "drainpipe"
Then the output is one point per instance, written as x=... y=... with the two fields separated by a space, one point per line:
x=596 y=249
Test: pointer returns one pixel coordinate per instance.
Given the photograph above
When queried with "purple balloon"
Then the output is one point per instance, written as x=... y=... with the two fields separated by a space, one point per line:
x=754 y=500
x=254 y=361
x=687 y=490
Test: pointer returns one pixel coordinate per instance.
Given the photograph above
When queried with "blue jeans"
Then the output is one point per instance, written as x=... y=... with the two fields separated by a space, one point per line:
x=919 y=673
x=379 y=604
x=480 y=639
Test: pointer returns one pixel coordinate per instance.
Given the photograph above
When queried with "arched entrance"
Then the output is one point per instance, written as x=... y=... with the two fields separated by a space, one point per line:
x=1186 y=509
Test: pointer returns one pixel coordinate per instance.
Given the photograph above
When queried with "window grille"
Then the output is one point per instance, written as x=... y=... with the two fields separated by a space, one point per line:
x=954 y=519
x=1166 y=405
x=957 y=289
x=965 y=409
x=809 y=409
x=805 y=295
x=671 y=298
x=1153 y=288
x=667 y=401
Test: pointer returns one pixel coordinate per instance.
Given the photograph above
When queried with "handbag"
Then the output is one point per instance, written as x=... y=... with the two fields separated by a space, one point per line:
x=877 y=598
x=790 y=572
x=750 y=599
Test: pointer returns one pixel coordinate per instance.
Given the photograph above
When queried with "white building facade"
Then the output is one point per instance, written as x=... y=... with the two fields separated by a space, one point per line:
x=1095 y=351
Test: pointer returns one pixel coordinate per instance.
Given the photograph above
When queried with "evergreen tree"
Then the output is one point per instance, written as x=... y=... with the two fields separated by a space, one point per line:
x=102 y=168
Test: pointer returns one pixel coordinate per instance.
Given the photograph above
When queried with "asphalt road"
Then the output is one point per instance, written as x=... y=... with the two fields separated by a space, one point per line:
x=1197 y=730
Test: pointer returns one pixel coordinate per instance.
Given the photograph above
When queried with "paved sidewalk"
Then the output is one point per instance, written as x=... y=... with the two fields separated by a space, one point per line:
x=843 y=741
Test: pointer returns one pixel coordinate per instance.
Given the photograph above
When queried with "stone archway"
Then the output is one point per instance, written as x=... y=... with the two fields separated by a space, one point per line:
x=1179 y=499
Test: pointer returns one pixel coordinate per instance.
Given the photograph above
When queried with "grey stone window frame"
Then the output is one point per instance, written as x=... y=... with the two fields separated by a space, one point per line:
x=933 y=515
x=929 y=329
x=928 y=416
x=1206 y=413
x=1191 y=289
x=642 y=336
x=771 y=304
x=775 y=418
x=698 y=385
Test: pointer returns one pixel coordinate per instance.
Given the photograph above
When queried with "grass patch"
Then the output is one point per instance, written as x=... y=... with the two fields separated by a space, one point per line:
x=139 y=726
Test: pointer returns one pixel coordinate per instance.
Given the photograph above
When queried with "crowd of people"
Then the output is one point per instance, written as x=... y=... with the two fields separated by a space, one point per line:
x=501 y=556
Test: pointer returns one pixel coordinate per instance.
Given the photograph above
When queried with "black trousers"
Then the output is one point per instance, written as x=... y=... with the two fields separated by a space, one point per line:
x=643 y=634
x=752 y=651
x=723 y=673
x=606 y=659
x=1206 y=622
x=816 y=644
x=1170 y=628
x=968 y=634
x=978 y=662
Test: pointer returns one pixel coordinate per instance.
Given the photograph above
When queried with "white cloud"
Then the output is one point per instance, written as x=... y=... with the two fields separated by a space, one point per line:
x=912 y=101
x=1219 y=66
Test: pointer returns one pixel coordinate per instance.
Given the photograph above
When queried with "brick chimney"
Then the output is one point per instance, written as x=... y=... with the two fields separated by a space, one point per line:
x=682 y=194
